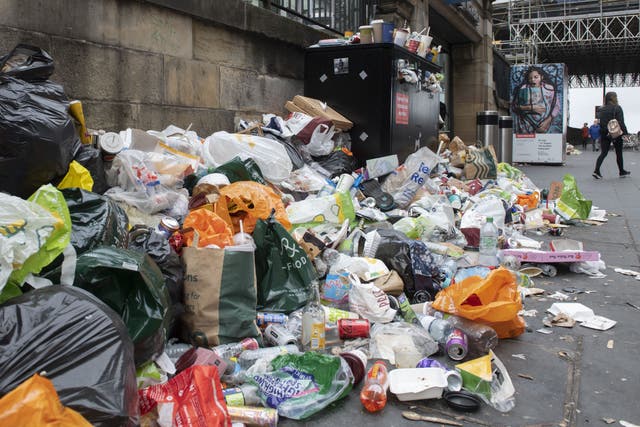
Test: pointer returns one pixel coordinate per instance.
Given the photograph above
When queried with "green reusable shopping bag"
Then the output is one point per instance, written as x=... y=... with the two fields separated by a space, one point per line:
x=572 y=204
x=283 y=270
x=219 y=296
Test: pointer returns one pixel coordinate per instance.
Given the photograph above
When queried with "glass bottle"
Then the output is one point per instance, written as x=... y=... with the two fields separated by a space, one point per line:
x=313 y=333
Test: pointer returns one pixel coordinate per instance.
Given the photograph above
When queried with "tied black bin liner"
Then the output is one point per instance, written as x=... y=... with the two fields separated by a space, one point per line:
x=148 y=241
x=95 y=220
x=132 y=285
x=37 y=137
x=82 y=346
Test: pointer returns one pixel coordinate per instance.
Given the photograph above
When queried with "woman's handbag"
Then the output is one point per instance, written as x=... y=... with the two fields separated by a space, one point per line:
x=614 y=129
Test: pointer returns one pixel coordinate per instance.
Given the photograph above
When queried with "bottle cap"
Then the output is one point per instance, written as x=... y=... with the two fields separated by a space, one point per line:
x=489 y=219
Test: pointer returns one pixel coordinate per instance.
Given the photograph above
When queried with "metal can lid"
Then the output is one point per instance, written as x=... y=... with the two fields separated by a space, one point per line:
x=170 y=223
x=111 y=143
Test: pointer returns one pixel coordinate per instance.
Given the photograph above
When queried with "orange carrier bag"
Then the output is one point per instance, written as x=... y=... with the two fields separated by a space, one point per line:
x=493 y=301
x=35 y=403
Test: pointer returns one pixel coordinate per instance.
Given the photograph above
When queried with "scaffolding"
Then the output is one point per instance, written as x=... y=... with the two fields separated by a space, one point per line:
x=599 y=40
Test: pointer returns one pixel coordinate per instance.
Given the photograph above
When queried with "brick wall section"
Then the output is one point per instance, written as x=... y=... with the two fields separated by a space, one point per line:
x=148 y=64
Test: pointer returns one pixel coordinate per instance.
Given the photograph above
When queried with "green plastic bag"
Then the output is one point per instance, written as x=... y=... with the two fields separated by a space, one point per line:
x=51 y=199
x=572 y=205
x=301 y=385
x=133 y=286
x=282 y=268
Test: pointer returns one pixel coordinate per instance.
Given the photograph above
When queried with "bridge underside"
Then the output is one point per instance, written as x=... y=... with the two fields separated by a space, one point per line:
x=596 y=39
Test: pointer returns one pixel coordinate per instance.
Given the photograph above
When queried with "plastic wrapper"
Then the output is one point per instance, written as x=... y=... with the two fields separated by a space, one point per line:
x=369 y=301
x=36 y=403
x=301 y=385
x=133 y=286
x=69 y=334
x=25 y=227
x=186 y=141
x=38 y=139
x=192 y=398
x=304 y=180
x=493 y=301
x=333 y=209
x=389 y=339
x=137 y=180
x=271 y=156
x=249 y=201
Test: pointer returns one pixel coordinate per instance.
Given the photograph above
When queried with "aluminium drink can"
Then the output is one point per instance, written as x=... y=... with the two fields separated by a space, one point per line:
x=263 y=318
x=456 y=345
x=353 y=328
x=277 y=335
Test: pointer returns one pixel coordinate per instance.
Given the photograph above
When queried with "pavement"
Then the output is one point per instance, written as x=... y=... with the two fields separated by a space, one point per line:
x=570 y=377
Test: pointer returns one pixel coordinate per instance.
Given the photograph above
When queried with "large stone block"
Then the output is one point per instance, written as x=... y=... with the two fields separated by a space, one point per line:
x=10 y=37
x=116 y=116
x=191 y=83
x=91 y=71
x=246 y=50
x=243 y=90
x=95 y=20
x=155 y=29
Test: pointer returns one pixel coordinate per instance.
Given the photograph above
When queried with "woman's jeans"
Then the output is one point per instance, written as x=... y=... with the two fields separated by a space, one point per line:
x=605 y=143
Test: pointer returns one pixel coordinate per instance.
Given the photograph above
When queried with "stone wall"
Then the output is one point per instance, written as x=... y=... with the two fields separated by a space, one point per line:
x=148 y=64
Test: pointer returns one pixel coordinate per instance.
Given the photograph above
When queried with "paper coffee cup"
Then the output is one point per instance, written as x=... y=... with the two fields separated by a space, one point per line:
x=377 y=30
x=401 y=37
x=366 y=34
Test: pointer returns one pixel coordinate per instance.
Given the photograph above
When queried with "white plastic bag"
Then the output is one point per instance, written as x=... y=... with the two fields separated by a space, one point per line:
x=271 y=156
x=476 y=216
x=305 y=180
x=24 y=229
x=321 y=143
x=369 y=301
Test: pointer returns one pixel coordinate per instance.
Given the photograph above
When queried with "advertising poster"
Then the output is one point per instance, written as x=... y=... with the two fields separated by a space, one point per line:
x=539 y=110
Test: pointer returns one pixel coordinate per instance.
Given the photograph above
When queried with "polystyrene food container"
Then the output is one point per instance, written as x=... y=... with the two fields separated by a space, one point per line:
x=417 y=383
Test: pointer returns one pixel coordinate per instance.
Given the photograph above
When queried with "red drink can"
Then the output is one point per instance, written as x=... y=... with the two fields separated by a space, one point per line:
x=353 y=328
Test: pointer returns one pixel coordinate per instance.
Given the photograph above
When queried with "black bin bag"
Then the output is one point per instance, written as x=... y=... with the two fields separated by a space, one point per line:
x=148 y=241
x=133 y=286
x=79 y=343
x=37 y=137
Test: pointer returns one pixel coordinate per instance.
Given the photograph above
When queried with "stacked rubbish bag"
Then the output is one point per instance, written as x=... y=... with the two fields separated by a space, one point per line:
x=255 y=273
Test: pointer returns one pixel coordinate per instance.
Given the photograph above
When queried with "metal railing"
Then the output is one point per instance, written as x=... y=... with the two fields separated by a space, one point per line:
x=336 y=16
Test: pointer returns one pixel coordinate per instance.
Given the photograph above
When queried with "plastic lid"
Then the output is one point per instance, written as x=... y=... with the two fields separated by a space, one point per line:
x=462 y=400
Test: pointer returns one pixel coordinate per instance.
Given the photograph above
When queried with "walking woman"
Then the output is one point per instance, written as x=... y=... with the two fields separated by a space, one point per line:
x=609 y=111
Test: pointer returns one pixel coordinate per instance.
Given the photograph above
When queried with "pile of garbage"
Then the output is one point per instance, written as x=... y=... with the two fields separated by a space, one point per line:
x=168 y=279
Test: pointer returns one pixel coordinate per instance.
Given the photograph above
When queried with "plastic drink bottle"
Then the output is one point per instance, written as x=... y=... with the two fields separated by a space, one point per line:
x=439 y=329
x=488 y=244
x=227 y=351
x=480 y=338
x=374 y=393
x=249 y=357
x=313 y=318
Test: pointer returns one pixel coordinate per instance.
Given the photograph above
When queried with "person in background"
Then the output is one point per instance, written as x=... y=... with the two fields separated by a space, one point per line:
x=609 y=111
x=585 y=135
x=594 y=132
